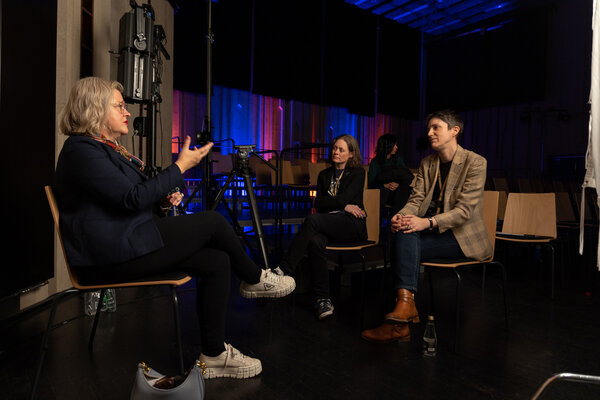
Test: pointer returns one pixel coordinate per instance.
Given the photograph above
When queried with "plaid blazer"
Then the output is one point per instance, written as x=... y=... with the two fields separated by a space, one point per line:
x=463 y=200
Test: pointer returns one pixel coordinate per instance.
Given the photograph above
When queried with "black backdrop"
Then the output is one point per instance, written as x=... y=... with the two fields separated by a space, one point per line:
x=316 y=51
x=27 y=112
x=332 y=53
x=507 y=65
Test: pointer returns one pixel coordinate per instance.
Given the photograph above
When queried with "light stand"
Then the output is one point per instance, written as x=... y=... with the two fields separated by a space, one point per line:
x=205 y=135
x=140 y=70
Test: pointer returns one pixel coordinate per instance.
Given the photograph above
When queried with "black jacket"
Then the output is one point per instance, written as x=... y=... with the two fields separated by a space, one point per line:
x=350 y=190
x=107 y=204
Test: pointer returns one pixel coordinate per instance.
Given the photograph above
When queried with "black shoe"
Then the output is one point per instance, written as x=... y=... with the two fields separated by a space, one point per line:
x=323 y=308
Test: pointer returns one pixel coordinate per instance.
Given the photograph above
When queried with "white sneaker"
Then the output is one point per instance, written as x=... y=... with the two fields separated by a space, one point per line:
x=270 y=285
x=230 y=364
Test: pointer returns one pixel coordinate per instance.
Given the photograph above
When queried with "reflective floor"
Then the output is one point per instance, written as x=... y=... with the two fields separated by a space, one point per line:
x=304 y=358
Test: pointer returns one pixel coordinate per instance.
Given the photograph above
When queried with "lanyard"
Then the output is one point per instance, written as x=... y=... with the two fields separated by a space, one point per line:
x=442 y=188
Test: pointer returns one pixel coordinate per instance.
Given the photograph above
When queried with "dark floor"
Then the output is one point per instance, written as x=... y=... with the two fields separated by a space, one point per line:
x=304 y=358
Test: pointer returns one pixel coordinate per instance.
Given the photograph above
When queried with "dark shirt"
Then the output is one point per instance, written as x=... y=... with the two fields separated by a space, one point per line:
x=436 y=201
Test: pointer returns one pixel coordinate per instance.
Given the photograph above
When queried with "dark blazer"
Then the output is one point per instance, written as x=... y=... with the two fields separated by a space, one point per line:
x=350 y=190
x=106 y=203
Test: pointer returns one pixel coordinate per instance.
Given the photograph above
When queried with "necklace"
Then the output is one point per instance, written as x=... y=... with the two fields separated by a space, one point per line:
x=335 y=184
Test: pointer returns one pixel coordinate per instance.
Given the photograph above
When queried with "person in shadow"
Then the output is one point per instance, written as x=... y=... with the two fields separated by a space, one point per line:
x=388 y=173
x=339 y=218
x=115 y=230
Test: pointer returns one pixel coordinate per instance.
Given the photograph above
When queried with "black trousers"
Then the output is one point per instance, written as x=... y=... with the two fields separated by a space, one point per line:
x=315 y=233
x=203 y=245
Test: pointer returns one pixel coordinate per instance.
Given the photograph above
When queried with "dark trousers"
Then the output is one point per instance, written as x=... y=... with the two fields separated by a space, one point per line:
x=410 y=249
x=315 y=233
x=203 y=245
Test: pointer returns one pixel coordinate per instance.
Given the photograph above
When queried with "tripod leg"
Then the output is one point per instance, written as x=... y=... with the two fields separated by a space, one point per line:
x=220 y=197
x=256 y=221
x=221 y=193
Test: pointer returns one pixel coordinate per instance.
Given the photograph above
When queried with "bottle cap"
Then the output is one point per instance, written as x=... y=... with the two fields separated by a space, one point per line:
x=430 y=317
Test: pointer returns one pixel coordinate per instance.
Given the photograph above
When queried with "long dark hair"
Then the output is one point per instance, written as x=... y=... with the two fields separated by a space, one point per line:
x=385 y=145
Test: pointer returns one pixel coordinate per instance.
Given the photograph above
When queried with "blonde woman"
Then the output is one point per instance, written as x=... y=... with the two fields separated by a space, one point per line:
x=113 y=231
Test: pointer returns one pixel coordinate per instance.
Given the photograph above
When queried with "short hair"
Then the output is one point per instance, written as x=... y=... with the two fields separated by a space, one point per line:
x=450 y=117
x=356 y=160
x=87 y=107
x=385 y=145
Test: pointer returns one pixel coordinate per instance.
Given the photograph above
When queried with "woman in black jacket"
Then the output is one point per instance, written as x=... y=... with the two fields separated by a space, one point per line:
x=340 y=218
x=112 y=229
x=388 y=173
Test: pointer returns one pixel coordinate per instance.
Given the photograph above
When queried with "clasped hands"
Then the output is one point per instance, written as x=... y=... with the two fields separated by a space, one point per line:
x=408 y=223
x=391 y=186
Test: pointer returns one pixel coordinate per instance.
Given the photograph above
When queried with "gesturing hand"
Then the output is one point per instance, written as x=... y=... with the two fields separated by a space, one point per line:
x=189 y=158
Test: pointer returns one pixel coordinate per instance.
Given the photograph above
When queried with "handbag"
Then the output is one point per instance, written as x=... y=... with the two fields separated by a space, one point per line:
x=150 y=384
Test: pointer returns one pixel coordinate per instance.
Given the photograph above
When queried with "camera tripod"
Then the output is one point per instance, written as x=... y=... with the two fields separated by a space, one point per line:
x=241 y=168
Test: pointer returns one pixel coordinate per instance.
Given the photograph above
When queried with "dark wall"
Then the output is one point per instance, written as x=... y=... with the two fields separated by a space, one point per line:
x=317 y=51
x=505 y=65
x=27 y=98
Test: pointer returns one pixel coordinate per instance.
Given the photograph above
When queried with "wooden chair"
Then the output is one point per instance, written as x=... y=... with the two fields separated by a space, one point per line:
x=530 y=218
x=490 y=213
x=502 y=198
x=371 y=203
x=173 y=280
x=524 y=185
x=501 y=184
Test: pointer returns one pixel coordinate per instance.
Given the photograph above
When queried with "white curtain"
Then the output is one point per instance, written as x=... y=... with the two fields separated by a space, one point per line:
x=593 y=150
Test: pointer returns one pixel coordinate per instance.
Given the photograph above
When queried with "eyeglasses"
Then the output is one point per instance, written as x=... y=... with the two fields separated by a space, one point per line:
x=121 y=106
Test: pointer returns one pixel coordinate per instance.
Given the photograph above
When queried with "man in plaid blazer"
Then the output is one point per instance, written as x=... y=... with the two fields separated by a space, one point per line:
x=442 y=218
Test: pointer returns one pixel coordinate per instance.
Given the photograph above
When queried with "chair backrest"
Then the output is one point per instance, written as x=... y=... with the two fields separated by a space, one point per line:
x=265 y=175
x=314 y=169
x=223 y=163
x=530 y=214
x=524 y=185
x=564 y=208
x=56 y=217
x=490 y=213
x=501 y=184
x=502 y=198
x=291 y=174
x=371 y=203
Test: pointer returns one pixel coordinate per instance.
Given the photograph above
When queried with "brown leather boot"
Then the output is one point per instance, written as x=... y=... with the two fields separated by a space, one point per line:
x=387 y=333
x=405 y=310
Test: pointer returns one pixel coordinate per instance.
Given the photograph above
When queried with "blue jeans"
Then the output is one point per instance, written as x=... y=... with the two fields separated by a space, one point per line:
x=408 y=250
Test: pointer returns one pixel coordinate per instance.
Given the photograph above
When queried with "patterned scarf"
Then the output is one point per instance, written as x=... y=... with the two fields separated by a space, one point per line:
x=121 y=150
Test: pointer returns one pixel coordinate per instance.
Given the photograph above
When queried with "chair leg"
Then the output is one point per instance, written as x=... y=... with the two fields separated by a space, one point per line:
x=457 y=302
x=483 y=279
x=96 y=318
x=552 y=272
x=44 y=347
x=428 y=272
x=177 y=328
x=362 y=290
x=503 y=272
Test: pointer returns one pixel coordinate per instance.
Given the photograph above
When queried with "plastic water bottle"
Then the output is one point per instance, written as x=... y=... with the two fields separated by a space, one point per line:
x=430 y=338
x=90 y=302
x=109 y=302
x=91 y=299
